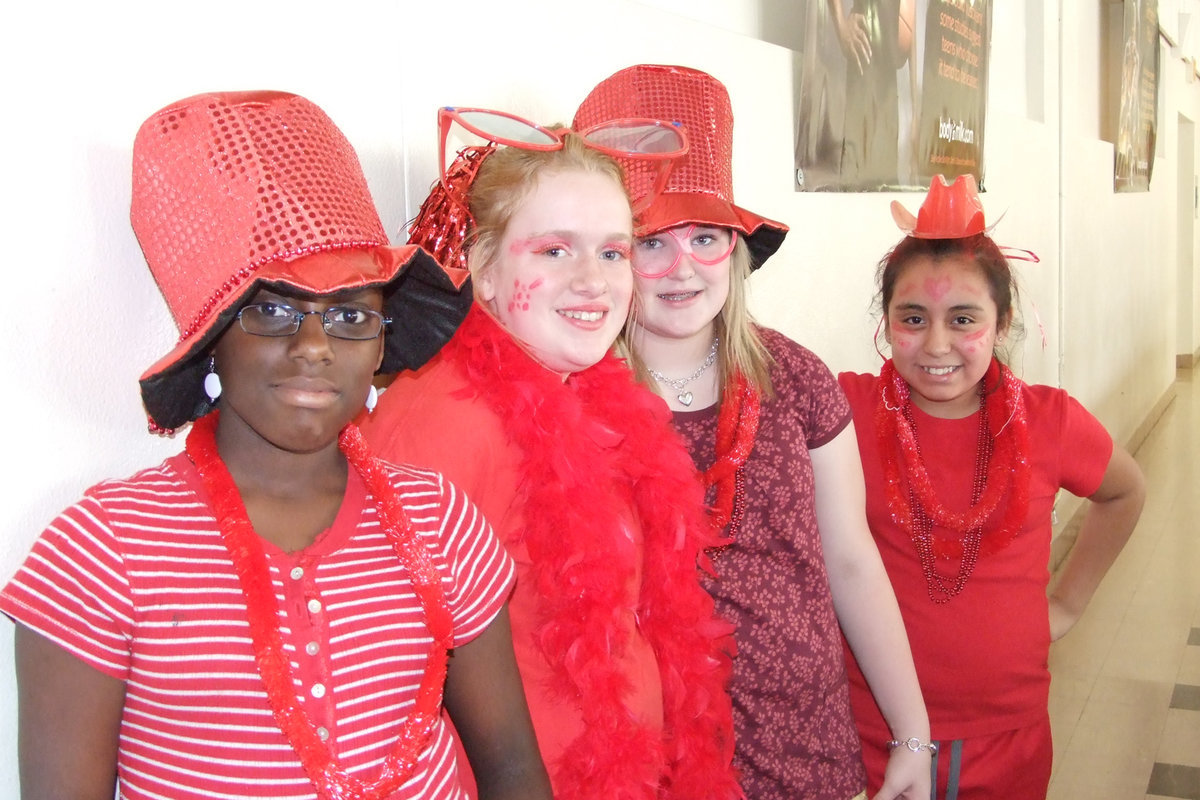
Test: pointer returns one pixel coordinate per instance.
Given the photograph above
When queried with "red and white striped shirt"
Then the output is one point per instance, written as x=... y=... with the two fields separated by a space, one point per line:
x=135 y=580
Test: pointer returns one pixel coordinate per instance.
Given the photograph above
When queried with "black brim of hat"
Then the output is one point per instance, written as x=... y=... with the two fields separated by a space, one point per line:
x=425 y=302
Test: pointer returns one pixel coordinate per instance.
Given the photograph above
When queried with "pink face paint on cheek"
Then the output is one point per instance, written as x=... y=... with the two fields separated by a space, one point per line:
x=974 y=342
x=975 y=337
x=520 y=296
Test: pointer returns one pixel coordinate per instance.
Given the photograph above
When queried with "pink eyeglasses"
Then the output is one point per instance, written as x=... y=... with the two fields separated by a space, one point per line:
x=659 y=254
x=642 y=139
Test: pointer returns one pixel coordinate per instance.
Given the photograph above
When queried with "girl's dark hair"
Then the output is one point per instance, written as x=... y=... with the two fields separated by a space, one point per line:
x=978 y=248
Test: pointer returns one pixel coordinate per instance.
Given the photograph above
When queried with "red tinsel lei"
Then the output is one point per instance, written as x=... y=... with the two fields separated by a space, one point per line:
x=1007 y=468
x=250 y=562
x=736 y=427
x=575 y=501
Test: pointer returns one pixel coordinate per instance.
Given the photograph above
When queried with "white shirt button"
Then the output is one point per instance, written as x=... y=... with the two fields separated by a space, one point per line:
x=323 y=732
x=312 y=648
x=318 y=690
x=297 y=573
x=314 y=605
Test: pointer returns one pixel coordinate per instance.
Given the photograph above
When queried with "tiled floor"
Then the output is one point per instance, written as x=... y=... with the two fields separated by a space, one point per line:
x=1125 y=696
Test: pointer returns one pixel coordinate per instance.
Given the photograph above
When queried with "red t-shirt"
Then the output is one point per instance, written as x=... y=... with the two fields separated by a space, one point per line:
x=981 y=657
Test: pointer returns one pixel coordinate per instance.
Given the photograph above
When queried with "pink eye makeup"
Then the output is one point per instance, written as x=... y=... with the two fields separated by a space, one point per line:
x=537 y=245
x=542 y=245
x=623 y=248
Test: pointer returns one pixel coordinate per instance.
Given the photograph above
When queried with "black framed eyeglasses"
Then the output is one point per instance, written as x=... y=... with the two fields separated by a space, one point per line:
x=340 y=322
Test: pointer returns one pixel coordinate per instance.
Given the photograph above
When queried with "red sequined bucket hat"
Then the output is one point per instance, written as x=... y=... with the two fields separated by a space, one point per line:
x=700 y=188
x=236 y=190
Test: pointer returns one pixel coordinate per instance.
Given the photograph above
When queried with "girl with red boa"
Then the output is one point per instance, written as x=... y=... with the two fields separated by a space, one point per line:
x=622 y=657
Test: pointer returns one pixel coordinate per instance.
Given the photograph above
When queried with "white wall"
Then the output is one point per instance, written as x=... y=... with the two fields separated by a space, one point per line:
x=1185 y=215
x=81 y=77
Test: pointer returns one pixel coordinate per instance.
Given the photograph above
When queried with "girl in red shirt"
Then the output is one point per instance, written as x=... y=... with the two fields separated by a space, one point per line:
x=962 y=462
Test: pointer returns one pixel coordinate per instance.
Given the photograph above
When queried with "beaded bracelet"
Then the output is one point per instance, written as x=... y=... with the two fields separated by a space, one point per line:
x=914 y=744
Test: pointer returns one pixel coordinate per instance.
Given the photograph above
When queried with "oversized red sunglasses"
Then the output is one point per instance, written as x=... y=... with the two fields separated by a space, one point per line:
x=642 y=139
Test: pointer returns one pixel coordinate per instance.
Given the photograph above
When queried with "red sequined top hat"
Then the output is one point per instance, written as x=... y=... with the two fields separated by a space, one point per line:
x=700 y=188
x=234 y=190
x=950 y=211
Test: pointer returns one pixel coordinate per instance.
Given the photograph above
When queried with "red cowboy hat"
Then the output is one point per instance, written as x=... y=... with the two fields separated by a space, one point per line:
x=950 y=211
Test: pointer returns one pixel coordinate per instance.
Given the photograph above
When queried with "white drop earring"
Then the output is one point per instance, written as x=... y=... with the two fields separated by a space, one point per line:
x=212 y=381
x=372 y=398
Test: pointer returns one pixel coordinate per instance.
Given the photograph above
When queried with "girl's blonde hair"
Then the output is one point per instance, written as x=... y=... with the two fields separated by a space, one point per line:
x=740 y=348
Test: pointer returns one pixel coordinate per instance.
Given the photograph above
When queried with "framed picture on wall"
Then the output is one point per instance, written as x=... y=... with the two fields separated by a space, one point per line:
x=890 y=93
x=1137 y=120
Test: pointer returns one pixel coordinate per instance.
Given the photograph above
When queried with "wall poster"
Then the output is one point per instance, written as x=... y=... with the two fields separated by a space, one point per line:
x=890 y=93
x=1137 y=122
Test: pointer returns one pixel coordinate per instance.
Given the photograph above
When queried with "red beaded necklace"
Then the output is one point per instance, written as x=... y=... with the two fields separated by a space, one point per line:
x=1001 y=468
x=250 y=562
x=736 y=427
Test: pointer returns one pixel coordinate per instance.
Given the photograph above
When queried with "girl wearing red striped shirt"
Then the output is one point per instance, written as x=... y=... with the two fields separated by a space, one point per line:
x=273 y=612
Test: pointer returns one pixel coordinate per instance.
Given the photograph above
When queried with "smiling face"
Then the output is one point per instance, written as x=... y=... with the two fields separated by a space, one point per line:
x=942 y=324
x=560 y=279
x=684 y=303
x=295 y=393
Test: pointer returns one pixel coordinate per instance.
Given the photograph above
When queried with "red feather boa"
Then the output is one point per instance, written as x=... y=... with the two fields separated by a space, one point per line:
x=574 y=500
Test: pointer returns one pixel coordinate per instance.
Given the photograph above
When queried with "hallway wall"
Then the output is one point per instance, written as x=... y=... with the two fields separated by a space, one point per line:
x=83 y=76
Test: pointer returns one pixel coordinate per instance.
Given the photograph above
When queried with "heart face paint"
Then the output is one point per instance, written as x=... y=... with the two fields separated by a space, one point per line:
x=942 y=324
x=562 y=281
x=937 y=287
